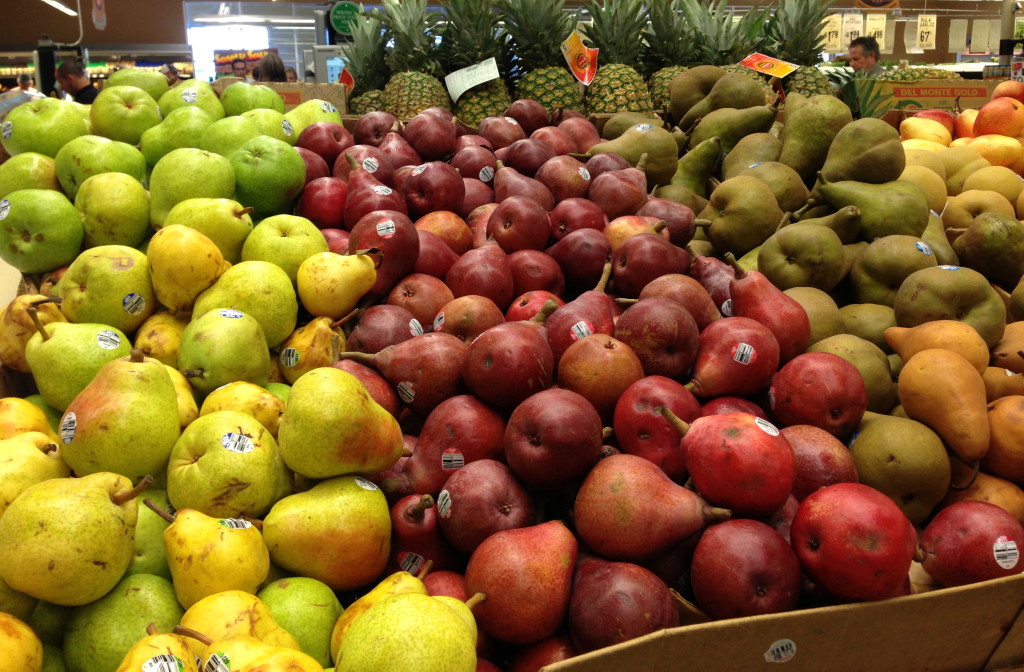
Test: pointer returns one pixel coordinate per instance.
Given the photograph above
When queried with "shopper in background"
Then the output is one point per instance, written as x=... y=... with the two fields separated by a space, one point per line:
x=26 y=84
x=74 y=80
x=291 y=75
x=239 y=68
x=171 y=73
x=864 y=56
x=271 y=69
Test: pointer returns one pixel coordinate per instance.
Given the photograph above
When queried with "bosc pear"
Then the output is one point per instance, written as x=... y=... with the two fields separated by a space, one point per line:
x=125 y=421
x=332 y=426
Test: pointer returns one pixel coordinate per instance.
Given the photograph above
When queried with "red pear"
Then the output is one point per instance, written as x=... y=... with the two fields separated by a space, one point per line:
x=582 y=256
x=399 y=151
x=480 y=499
x=449 y=227
x=367 y=194
x=754 y=296
x=821 y=459
x=431 y=135
x=370 y=159
x=371 y=128
x=582 y=132
x=715 y=276
x=381 y=326
x=519 y=223
x=527 y=155
x=686 y=291
x=641 y=429
x=435 y=257
x=819 y=389
x=530 y=114
x=422 y=295
x=592 y=312
x=737 y=356
x=485 y=271
x=374 y=383
x=510 y=182
x=643 y=258
x=600 y=368
x=416 y=537
x=572 y=214
x=433 y=186
x=393 y=234
x=466 y=317
x=565 y=177
x=500 y=131
x=515 y=353
x=526 y=306
x=556 y=138
x=477 y=194
x=534 y=270
x=971 y=541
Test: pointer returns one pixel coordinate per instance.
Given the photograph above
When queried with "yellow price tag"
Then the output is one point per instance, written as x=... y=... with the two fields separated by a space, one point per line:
x=582 y=60
x=768 y=65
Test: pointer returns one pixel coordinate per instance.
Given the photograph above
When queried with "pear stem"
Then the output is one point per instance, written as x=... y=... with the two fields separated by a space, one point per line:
x=138 y=355
x=353 y=164
x=358 y=357
x=255 y=522
x=346 y=318
x=193 y=373
x=121 y=497
x=659 y=226
x=715 y=513
x=606 y=432
x=34 y=314
x=49 y=448
x=919 y=554
x=975 y=467
x=626 y=302
x=731 y=260
x=674 y=420
x=475 y=600
x=244 y=211
x=49 y=299
x=641 y=163
x=406 y=452
x=786 y=219
x=606 y=273
x=416 y=511
x=607 y=451
x=151 y=630
x=379 y=253
x=157 y=510
x=691 y=386
x=194 y=634
x=498 y=165
x=702 y=223
x=424 y=570
x=545 y=311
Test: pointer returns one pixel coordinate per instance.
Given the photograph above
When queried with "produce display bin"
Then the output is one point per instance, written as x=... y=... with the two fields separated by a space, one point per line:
x=878 y=97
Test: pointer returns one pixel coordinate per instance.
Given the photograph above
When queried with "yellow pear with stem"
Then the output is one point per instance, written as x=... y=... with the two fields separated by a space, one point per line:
x=235 y=612
x=18 y=416
x=247 y=398
x=395 y=584
x=159 y=652
x=27 y=459
x=315 y=344
x=16 y=327
x=184 y=263
x=330 y=284
x=22 y=650
x=209 y=555
x=160 y=336
x=233 y=652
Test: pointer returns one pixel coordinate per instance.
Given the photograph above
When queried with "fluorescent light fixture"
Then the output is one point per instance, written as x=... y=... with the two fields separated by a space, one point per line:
x=255 y=19
x=56 y=4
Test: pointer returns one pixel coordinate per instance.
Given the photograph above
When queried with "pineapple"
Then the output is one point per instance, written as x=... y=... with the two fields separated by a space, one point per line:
x=617 y=28
x=364 y=59
x=413 y=60
x=535 y=30
x=471 y=36
x=795 y=36
x=718 y=40
x=670 y=47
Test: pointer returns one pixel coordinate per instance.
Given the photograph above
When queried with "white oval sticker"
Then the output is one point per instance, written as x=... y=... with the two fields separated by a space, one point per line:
x=289 y=358
x=286 y=128
x=924 y=248
x=415 y=328
x=108 y=340
x=511 y=121
x=231 y=314
x=164 y=662
x=947 y=267
x=234 y=523
x=643 y=127
x=418 y=169
x=744 y=353
x=382 y=190
x=444 y=504
x=190 y=95
x=780 y=651
x=410 y=562
x=328 y=107
x=386 y=228
x=486 y=174
x=365 y=484
x=452 y=459
x=726 y=308
x=766 y=427
x=237 y=443
x=67 y=427
x=584 y=173
x=5 y=208
x=133 y=303
x=439 y=321
x=7 y=130
x=406 y=391
x=370 y=164
x=1006 y=552
x=581 y=330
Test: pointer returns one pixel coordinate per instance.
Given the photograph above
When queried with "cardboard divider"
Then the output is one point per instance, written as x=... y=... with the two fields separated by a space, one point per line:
x=971 y=628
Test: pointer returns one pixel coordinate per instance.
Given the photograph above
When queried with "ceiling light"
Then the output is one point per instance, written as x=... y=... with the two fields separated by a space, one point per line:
x=56 y=4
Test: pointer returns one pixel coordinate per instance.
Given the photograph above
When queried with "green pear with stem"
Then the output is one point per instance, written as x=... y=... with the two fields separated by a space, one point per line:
x=257 y=288
x=222 y=220
x=158 y=652
x=308 y=609
x=150 y=557
x=70 y=540
x=222 y=346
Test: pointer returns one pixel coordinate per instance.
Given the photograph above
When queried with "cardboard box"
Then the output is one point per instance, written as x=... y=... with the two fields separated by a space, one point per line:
x=968 y=629
x=299 y=92
x=876 y=98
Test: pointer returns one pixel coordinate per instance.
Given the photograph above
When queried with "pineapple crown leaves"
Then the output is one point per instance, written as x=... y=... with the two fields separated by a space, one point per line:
x=720 y=39
x=670 y=39
x=414 y=30
x=618 y=28
x=795 y=34
x=364 y=55
x=472 y=33
x=534 y=31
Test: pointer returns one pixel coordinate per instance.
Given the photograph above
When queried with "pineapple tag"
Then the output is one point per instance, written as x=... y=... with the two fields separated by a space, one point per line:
x=582 y=59
x=465 y=79
x=768 y=66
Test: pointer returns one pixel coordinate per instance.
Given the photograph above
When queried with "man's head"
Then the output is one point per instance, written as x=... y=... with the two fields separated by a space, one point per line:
x=239 y=67
x=24 y=81
x=864 y=53
x=72 y=76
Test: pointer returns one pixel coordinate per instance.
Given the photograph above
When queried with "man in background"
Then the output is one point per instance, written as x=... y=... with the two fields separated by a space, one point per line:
x=864 y=57
x=74 y=80
x=26 y=84
x=239 y=68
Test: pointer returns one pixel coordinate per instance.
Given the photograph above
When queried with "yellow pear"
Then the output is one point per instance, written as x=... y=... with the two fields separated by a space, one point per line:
x=933 y=186
x=160 y=336
x=17 y=326
x=309 y=347
x=159 y=652
x=235 y=612
x=954 y=335
x=18 y=416
x=21 y=649
x=27 y=459
x=281 y=660
x=233 y=652
x=185 y=395
x=184 y=263
x=330 y=285
x=246 y=398
x=999 y=179
x=463 y=609
x=397 y=583
x=209 y=555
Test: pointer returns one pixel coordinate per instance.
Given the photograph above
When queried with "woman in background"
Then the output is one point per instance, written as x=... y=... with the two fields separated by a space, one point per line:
x=271 y=69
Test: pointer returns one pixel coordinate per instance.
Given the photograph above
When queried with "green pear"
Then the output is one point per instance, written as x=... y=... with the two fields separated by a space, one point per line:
x=869 y=321
x=187 y=173
x=280 y=390
x=181 y=128
x=809 y=131
x=694 y=168
x=951 y=293
x=269 y=174
x=750 y=150
x=935 y=236
x=870 y=361
x=39 y=230
x=30 y=170
x=691 y=86
x=785 y=183
x=645 y=138
x=318 y=442
x=735 y=90
x=65 y=357
x=70 y=540
x=885 y=264
x=346 y=507
x=243 y=96
x=731 y=124
x=50 y=622
x=310 y=112
x=226 y=464
x=16 y=603
x=123 y=113
x=192 y=92
x=226 y=135
x=114 y=208
x=222 y=220
x=904 y=460
x=91 y=155
x=620 y=122
x=100 y=634
x=109 y=284
x=743 y=214
x=306 y=608
x=886 y=209
x=150 y=556
x=26 y=459
x=844 y=221
x=993 y=245
x=125 y=421
x=409 y=631
x=822 y=311
x=43 y=125
x=285 y=240
x=222 y=346
x=273 y=124
x=53 y=659
x=150 y=81
x=865 y=150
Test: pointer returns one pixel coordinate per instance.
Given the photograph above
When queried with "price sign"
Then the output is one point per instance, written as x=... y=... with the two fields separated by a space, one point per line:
x=926 y=24
x=831 y=31
x=875 y=27
x=853 y=27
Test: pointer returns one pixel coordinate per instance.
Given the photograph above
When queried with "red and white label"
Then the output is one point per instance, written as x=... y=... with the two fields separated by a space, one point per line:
x=452 y=459
x=439 y=321
x=581 y=330
x=386 y=228
x=744 y=353
x=415 y=328
x=1006 y=553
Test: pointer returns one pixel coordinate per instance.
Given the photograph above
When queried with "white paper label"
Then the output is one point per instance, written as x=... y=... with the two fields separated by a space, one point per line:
x=164 y=662
x=830 y=32
x=386 y=228
x=743 y=353
x=286 y=128
x=411 y=562
x=853 y=27
x=444 y=504
x=365 y=484
x=512 y=121
x=67 y=427
x=231 y=314
x=7 y=129
x=406 y=391
x=486 y=174
x=328 y=107
x=382 y=190
x=218 y=662
x=133 y=303
x=924 y=248
x=1006 y=552
x=5 y=207
x=643 y=127
x=234 y=523
x=452 y=459
x=780 y=651
x=415 y=328
x=581 y=330
x=926 y=24
x=874 y=26
x=189 y=95
x=370 y=164
x=289 y=358
x=766 y=427
x=237 y=443
x=108 y=340
x=439 y=321
x=418 y=169
x=584 y=173
x=947 y=267
x=726 y=308
x=465 y=79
